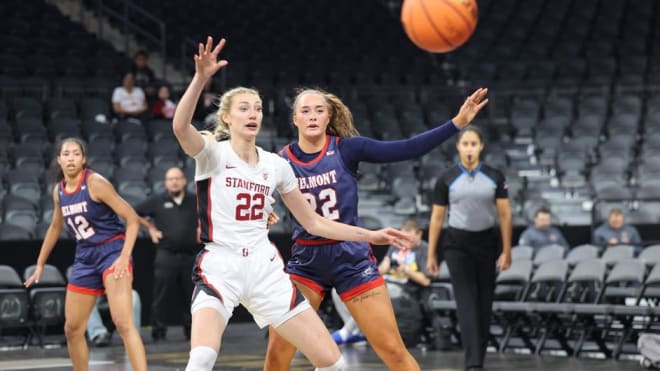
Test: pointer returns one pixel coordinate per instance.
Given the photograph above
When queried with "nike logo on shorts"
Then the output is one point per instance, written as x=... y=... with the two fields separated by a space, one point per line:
x=273 y=258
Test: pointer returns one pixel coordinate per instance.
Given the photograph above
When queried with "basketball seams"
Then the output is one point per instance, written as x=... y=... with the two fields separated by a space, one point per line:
x=433 y=26
x=470 y=26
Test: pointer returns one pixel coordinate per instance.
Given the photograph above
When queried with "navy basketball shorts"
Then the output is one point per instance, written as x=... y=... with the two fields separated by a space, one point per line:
x=91 y=265
x=350 y=267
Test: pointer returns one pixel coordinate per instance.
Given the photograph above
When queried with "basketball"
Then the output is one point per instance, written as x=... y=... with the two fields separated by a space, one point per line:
x=439 y=26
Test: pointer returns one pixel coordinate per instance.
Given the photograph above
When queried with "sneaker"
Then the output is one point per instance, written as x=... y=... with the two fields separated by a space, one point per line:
x=355 y=338
x=102 y=340
x=336 y=336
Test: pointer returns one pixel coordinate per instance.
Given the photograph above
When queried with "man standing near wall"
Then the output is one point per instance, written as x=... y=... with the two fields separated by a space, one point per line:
x=172 y=226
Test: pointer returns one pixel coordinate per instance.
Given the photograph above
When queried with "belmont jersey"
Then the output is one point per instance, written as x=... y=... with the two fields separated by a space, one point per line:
x=327 y=184
x=93 y=223
x=233 y=198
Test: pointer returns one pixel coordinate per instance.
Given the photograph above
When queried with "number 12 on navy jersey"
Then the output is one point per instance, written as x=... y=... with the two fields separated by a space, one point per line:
x=80 y=227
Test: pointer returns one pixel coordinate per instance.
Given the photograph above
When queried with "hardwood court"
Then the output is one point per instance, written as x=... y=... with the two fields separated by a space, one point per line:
x=244 y=347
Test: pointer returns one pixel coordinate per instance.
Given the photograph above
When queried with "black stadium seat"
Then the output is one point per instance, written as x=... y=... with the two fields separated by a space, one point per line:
x=46 y=300
x=14 y=302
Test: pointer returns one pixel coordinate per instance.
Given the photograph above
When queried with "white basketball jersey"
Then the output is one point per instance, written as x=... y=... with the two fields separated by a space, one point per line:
x=234 y=198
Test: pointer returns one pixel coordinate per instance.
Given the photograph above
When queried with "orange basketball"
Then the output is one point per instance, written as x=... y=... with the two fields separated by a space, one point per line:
x=439 y=26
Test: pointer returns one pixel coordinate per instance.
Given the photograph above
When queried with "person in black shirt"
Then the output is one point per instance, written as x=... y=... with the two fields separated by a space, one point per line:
x=475 y=195
x=173 y=228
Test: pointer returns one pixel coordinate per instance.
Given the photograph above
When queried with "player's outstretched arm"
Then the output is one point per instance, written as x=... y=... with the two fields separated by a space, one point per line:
x=320 y=226
x=206 y=65
x=358 y=149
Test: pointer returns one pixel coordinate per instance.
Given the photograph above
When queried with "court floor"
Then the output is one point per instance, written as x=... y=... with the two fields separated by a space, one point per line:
x=244 y=347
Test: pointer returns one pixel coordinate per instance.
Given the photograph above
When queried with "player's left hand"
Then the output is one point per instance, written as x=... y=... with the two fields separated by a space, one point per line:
x=470 y=108
x=272 y=219
x=391 y=236
x=504 y=262
x=119 y=268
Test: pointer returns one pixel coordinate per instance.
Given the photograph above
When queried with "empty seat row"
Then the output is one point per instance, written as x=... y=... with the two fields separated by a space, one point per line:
x=27 y=312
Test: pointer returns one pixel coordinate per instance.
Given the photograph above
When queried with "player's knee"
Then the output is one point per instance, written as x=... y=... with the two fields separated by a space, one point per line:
x=123 y=325
x=339 y=365
x=393 y=350
x=201 y=359
x=73 y=329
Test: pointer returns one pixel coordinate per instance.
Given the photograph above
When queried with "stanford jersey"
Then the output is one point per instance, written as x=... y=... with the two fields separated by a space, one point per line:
x=327 y=184
x=234 y=198
x=92 y=223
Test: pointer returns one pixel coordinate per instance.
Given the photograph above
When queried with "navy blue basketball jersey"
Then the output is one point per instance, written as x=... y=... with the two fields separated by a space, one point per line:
x=93 y=223
x=327 y=184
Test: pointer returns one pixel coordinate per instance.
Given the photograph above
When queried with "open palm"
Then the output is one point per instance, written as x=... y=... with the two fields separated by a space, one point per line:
x=206 y=60
x=471 y=107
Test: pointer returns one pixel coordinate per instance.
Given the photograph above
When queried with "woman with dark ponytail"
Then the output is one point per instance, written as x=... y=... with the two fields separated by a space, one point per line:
x=90 y=207
x=477 y=239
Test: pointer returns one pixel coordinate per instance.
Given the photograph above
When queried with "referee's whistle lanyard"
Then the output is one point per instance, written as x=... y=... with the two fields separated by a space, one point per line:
x=470 y=173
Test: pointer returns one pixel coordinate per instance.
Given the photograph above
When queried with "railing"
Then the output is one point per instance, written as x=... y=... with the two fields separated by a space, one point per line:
x=159 y=37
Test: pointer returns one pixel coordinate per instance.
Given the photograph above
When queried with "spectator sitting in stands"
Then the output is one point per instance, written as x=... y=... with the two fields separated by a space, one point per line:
x=128 y=100
x=407 y=266
x=144 y=76
x=163 y=107
x=542 y=233
x=616 y=232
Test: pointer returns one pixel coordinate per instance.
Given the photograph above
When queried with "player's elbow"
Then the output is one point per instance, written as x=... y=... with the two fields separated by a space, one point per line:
x=179 y=129
x=57 y=224
x=132 y=220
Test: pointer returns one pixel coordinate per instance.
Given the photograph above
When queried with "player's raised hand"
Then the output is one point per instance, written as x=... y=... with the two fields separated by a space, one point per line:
x=34 y=278
x=206 y=59
x=471 y=107
x=391 y=236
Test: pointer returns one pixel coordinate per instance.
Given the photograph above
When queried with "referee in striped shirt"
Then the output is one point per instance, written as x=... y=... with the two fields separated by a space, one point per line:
x=475 y=195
